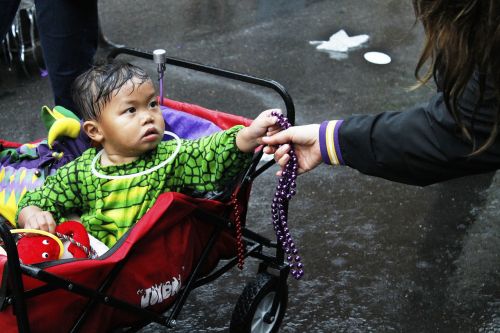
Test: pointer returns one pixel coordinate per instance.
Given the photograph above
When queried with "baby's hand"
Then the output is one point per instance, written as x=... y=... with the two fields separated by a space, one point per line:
x=250 y=137
x=32 y=217
x=265 y=125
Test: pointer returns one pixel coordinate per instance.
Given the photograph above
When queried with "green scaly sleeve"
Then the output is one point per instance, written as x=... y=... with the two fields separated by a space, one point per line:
x=211 y=162
x=58 y=195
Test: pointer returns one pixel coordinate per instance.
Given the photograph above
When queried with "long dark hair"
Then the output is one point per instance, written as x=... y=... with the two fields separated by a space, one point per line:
x=462 y=36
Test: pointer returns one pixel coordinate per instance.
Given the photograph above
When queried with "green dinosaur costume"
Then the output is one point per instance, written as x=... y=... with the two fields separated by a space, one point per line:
x=110 y=207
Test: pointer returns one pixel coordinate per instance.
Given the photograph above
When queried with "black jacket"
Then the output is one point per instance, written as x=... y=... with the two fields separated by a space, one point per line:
x=423 y=145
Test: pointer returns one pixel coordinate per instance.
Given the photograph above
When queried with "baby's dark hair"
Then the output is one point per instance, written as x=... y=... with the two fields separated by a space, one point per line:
x=95 y=87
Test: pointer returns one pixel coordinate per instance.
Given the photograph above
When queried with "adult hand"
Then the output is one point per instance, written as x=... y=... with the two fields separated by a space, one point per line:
x=305 y=140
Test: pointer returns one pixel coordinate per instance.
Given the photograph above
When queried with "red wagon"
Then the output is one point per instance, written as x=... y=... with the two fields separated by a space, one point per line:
x=148 y=275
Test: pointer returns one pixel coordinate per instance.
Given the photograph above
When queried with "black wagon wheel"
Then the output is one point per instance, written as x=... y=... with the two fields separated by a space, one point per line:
x=250 y=314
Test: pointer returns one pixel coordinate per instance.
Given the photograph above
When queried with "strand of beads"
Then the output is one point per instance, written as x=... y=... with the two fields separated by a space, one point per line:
x=285 y=190
x=237 y=208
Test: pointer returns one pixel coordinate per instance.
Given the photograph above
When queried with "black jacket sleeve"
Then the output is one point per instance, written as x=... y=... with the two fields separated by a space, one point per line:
x=423 y=145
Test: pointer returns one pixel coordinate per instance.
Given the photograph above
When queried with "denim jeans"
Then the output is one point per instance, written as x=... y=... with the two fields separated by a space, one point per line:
x=68 y=33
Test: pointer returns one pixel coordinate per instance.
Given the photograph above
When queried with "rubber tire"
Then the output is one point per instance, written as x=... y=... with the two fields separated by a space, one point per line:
x=253 y=294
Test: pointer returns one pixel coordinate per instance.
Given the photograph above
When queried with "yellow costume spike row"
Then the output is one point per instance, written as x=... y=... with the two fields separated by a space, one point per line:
x=8 y=206
x=22 y=175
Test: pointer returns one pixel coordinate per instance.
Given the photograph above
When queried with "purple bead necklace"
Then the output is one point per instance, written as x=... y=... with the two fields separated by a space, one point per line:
x=284 y=192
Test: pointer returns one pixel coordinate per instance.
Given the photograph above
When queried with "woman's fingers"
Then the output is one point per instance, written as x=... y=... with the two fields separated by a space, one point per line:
x=282 y=163
x=269 y=150
x=281 y=152
x=277 y=138
x=272 y=131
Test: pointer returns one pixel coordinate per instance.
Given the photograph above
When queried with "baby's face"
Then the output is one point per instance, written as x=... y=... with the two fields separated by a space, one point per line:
x=132 y=122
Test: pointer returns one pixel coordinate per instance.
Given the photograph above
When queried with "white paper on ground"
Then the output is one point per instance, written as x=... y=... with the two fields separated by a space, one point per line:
x=340 y=42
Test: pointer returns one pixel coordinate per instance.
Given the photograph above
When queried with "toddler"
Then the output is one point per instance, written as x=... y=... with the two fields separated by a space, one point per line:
x=114 y=187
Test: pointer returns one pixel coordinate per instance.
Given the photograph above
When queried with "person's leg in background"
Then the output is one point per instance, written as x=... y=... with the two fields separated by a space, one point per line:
x=8 y=9
x=69 y=34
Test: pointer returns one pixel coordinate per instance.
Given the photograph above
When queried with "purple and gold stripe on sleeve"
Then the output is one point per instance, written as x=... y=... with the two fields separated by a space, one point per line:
x=329 y=142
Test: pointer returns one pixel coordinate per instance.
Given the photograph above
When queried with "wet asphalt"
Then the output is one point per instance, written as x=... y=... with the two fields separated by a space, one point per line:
x=379 y=256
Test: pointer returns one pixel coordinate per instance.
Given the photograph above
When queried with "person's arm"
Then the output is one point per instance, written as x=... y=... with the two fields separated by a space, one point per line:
x=420 y=146
x=43 y=206
x=423 y=145
x=209 y=163
x=213 y=162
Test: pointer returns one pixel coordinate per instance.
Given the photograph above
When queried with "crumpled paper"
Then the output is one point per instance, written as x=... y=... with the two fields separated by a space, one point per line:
x=340 y=42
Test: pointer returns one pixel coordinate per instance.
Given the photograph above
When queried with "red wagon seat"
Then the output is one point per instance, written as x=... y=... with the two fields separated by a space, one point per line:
x=160 y=252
